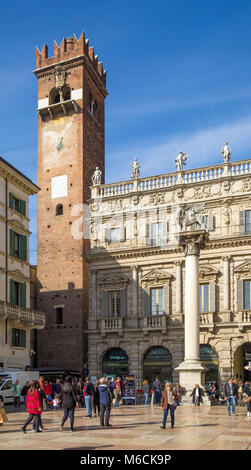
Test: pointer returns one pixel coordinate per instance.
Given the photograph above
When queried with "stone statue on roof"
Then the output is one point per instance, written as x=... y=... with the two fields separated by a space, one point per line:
x=135 y=169
x=226 y=152
x=96 y=178
x=181 y=160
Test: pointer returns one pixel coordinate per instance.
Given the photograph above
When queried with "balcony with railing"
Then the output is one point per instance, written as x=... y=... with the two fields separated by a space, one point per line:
x=29 y=317
x=185 y=177
x=111 y=325
x=155 y=322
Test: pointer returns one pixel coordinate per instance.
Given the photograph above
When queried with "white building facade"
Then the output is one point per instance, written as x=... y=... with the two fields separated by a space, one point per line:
x=17 y=319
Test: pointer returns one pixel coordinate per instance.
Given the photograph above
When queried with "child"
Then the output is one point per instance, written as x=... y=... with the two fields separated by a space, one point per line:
x=56 y=402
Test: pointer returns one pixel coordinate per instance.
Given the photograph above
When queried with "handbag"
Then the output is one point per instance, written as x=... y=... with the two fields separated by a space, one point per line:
x=246 y=399
x=3 y=416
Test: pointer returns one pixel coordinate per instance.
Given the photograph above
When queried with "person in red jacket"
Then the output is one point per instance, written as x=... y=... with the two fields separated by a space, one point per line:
x=34 y=406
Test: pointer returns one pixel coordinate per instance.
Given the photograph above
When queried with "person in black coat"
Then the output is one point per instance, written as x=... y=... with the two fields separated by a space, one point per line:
x=69 y=402
x=96 y=399
x=197 y=394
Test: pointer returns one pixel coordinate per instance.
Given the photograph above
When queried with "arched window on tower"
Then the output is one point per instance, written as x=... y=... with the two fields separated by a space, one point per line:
x=59 y=209
x=66 y=93
x=54 y=96
x=91 y=104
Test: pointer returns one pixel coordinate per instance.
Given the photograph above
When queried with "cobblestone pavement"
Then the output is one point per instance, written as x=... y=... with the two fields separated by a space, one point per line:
x=134 y=427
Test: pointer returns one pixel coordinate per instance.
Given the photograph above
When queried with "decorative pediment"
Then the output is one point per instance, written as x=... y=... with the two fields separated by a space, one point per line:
x=18 y=275
x=113 y=279
x=16 y=224
x=156 y=277
x=207 y=272
x=244 y=269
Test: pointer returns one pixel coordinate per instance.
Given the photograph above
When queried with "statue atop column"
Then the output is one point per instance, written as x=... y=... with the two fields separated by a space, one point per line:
x=191 y=216
x=226 y=152
x=96 y=178
x=181 y=160
x=135 y=169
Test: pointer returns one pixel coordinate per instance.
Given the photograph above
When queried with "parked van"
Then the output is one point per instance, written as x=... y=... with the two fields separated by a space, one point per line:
x=8 y=379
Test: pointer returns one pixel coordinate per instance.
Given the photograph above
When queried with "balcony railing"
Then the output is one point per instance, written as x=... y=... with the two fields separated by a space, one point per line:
x=244 y=316
x=155 y=322
x=30 y=317
x=209 y=173
x=111 y=324
x=206 y=318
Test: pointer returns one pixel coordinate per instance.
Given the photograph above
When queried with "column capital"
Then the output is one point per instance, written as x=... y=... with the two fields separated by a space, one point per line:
x=226 y=258
x=178 y=262
x=192 y=242
x=134 y=267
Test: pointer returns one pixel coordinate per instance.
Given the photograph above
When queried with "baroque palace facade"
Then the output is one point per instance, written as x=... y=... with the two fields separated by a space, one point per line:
x=136 y=276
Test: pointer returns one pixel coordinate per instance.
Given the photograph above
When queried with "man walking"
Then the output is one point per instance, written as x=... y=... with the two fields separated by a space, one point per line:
x=230 y=393
x=89 y=389
x=24 y=392
x=157 y=388
x=105 y=394
x=16 y=388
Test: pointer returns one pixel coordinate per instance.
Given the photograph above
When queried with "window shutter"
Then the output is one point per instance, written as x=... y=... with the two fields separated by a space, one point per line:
x=12 y=247
x=166 y=296
x=122 y=234
x=239 y=295
x=146 y=301
x=11 y=200
x=23 y=338
x=148 y=236
x=23 y=247
x=242 y=223
x=107 y=235
x=210 y=225
x=104 y=304
x=212 y=297
x=13 y=337
x=12 y=292
x=23 y=207
x=23 y=295
x=122 y=302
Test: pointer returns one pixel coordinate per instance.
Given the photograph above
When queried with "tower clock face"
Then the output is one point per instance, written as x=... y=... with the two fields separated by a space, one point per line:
x=59 y=139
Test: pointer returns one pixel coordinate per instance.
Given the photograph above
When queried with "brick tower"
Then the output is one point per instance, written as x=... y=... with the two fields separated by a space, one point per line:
x=71 y=105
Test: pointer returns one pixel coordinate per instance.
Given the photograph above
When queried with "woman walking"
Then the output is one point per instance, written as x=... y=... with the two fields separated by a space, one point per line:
x=197 y=395
x=167 y=403
x=247 y=400
x=69 y=402
x=34 y=407
x=146 y=390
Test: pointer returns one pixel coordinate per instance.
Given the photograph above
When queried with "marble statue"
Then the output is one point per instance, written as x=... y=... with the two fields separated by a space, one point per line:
x=190 y=216
x=181 y=160
x=135 y=168
x=96 y=178
x=226 y=152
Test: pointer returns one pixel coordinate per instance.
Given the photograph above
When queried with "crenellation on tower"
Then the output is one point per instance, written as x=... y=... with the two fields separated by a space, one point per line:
x=69 y=48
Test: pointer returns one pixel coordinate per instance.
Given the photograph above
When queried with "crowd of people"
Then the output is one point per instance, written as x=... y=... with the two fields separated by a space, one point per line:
x=98 y=399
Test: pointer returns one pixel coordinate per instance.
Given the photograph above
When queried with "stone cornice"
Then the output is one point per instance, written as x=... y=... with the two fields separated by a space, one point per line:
x=17 y=178
x=151 y=251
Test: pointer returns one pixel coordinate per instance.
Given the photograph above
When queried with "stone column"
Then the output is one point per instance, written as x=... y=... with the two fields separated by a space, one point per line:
x=226 y=288
x=178 y=286
x=191 y=371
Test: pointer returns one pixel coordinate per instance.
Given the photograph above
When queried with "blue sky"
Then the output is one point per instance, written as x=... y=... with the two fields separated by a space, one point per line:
x=178 y=76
